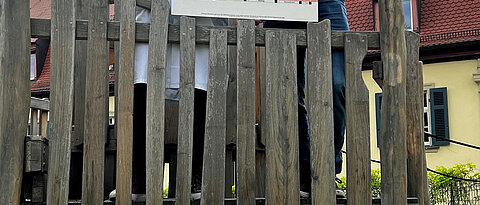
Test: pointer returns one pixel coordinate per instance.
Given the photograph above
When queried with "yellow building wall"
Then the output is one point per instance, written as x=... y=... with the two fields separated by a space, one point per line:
x=463 y=112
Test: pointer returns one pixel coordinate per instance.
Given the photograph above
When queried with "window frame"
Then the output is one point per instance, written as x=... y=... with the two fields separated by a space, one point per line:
x=33 y=65
x=414 y=9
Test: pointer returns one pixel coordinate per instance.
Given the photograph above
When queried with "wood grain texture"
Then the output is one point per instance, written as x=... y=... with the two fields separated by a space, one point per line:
x=15 y=95
x=96 y=103
x=262 y=84
x=213 y=174
x=282 y=119
x=35 y=122
x=416 y=168
x=41 y=104
x=232 y=91
x=80 y=73
x=157 y=63
x=61 y=96
x=357 y=122
x=246 y=112
x=185 y=118
x=124 y=102
x=41 y=29
x=393 y=128
x=320 y=110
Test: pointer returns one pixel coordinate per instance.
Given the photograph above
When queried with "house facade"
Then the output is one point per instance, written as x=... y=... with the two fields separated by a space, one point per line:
x=450 y=51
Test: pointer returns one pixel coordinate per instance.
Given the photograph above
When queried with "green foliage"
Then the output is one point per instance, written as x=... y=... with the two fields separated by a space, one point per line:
x=375 y=183
x=439 y=184
x=233 y=190
x=165 y=193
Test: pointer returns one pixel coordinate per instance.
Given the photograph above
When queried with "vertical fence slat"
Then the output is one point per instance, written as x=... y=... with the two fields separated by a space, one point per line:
x=246 y=112
x=15 y=95
x=61 y=98
x=232 y=92
x=358 y=122
x=393 y=146
x=80 y=73
x=282 y=119
x=416 y=167
x=124 y=102
x=320 y=109
x=96 y=103
x=157 y=63
x=213 y=175
x=186 y=107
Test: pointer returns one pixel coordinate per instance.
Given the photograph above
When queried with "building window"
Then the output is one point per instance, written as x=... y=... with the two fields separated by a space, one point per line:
x=410 y=10
x=33 y=66
x=435 y=112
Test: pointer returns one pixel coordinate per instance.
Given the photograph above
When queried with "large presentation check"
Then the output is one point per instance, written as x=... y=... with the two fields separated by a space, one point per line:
x=282 y=10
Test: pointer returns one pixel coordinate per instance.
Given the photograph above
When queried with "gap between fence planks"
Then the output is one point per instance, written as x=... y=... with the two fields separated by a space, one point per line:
x=15 y=95
x=124 y=102
x=62 y=70
x=41 y=29
x=96 y=104
x=246 y=112
x=186 y=105
x=320 y=110
x=282 y=119
x=393 y=129
x=213 y=174
x=157 y=63
x=416 y=167
x=357 y=122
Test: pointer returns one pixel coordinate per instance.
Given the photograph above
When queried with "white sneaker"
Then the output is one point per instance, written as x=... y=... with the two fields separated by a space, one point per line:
x=304 y=194
x=195 y=196
x=135 y=197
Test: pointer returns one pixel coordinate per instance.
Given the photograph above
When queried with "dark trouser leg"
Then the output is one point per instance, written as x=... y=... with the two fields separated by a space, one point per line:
x=139 y=136
x=338 y=75
x=200 y=107
x=303 y=127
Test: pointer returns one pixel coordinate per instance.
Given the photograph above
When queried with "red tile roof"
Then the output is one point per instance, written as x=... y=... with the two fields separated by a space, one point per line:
x=441 y=21
x=43 y=81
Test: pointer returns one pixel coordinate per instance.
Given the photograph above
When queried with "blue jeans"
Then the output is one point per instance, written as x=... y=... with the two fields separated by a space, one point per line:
x=336 y=12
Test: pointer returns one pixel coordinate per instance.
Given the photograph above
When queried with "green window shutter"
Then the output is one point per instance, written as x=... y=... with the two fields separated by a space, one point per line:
x=439 y=112
x=378 y=105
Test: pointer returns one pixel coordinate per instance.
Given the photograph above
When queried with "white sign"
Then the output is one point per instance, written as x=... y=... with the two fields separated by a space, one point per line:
x=282 y=10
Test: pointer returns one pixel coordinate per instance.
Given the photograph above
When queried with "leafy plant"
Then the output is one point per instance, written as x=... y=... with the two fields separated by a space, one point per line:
x=441 y=185
x=375 y=183
x=165 y=193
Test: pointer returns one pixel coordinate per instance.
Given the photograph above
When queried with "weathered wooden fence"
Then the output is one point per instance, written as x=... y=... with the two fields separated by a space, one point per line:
x=279 y=126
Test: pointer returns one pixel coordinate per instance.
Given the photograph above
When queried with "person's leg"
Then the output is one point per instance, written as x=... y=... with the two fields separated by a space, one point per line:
x=336 y=12
x=199 y=110
x=303 y=126
x=139 y=137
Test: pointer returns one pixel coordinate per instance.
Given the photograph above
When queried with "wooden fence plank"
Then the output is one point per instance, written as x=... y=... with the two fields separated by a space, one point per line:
x=185 y=118
x=41 y=29
x=35 y=122
x=232 y=92
x=43 y=123
x=246 y=137
x=96 y=103
x=213 y=174
x=41 y=104
x=320 y=109
x=393 y=147
x=157 y=63
x=61 y=96
x=416 y=167
x=15 y=95
x=282 y=119
x=124 y=102
x=358 y=122
x=80 y=73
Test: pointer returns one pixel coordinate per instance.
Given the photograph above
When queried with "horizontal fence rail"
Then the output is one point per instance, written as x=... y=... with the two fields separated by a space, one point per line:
x=41 y=29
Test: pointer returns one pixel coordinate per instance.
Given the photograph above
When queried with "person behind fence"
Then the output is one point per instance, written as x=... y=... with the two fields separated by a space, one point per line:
x=335 y=11
x=171 y=94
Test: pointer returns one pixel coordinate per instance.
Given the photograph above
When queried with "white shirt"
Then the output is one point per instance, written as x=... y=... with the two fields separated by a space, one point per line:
x=173 y=57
